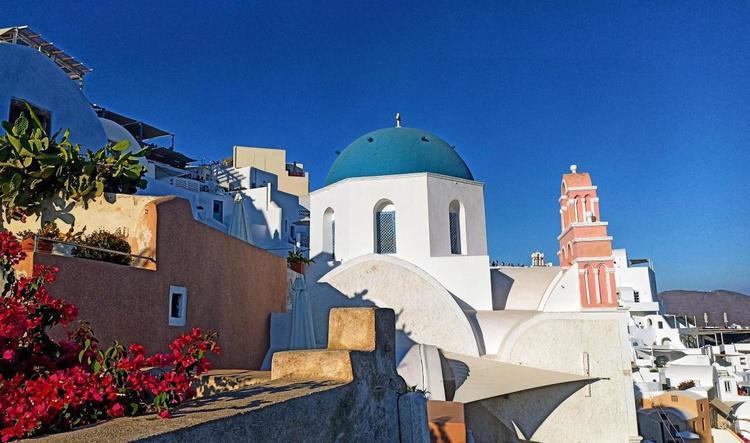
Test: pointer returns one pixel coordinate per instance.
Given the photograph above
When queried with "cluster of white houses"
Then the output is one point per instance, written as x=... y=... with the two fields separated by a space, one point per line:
x=573 y=352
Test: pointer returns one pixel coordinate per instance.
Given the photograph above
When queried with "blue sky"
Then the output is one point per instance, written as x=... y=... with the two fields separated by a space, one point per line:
x=651 y=98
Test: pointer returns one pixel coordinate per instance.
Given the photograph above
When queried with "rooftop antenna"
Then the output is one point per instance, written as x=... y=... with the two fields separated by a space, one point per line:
x=398 y=119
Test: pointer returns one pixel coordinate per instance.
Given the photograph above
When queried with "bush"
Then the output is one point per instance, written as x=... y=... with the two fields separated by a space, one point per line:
x=114 y=241
x=51 y=230
x=49 y=386
x=685 y=385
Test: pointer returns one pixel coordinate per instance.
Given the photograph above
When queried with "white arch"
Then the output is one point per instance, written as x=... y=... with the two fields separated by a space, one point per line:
x=425 y=310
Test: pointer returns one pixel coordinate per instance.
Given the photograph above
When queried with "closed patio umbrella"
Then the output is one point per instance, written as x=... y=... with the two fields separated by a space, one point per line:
x=238 y=226
x=303 y=332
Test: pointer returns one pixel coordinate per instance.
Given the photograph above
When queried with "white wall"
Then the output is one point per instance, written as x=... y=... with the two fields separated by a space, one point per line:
x=27 y=74
x=605 y=411
x=441 y=191
x=646 y=331
x=630 y=279
x=563 y=294
x=691 y=367
x=421 y=201
x=270 y=212
x=425 y=312
x=742 y=425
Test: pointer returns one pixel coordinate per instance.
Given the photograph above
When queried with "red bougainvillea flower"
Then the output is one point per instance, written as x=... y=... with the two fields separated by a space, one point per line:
x=48 y=385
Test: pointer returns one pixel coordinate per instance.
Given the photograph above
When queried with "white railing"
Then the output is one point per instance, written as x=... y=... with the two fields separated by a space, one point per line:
x=186 y=183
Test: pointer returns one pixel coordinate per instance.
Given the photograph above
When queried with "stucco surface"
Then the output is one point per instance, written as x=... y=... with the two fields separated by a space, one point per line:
x=558 y=341
x=27 y=74
x=232 y=287
x=521 y=288
x=426 y=312
x=133 y=214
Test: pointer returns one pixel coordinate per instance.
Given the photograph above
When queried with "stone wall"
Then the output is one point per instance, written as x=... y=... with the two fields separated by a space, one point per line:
x=348 y=392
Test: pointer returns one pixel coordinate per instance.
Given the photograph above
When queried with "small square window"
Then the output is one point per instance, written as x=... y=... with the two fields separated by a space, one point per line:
x=218 y=213
x=177 y=305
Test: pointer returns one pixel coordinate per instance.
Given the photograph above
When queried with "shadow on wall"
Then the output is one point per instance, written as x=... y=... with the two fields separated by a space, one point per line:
x=330 y=297
x=427 y=313
x=501 y=286
x=471 y=316
x=495 y=419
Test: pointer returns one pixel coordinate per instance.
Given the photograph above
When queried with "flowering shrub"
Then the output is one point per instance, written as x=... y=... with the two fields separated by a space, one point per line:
x=48 y=386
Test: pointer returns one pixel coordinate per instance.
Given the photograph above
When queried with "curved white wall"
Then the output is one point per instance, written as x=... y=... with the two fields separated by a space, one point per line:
x=607 y=407
x=425 y=312
x=27 y=74
x=116 y=132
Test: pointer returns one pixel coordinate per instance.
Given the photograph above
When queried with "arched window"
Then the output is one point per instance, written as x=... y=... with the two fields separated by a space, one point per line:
x=385 y=227
x=329 y=232
x=457 y=227
x=606 y=296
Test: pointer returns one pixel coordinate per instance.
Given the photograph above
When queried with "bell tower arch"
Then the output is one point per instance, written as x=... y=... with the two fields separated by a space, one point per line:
x=584 y=243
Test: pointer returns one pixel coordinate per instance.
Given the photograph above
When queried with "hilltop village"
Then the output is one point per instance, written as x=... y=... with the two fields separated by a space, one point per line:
x=369 y=309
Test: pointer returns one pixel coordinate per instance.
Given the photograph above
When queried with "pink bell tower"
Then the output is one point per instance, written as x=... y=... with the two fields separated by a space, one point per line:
x=584 y=243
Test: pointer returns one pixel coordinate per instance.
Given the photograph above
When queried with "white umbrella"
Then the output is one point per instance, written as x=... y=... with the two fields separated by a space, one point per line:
x=238 y=226
x=303 y=332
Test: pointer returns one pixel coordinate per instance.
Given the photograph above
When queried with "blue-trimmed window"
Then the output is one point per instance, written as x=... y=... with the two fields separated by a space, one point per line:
x=385 y=228
x=455 y=228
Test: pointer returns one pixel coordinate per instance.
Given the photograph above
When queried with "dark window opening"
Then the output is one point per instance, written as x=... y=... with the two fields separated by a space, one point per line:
x=385 y=223
x=219 y=211
x=175 y=308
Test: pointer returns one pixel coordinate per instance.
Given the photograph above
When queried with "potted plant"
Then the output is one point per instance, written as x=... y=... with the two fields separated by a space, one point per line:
x=47 y=234
x=297 y=261
x=43 y=244
x=109 y=241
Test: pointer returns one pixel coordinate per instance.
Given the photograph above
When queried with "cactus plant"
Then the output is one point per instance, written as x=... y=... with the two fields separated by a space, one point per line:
x=37 y=169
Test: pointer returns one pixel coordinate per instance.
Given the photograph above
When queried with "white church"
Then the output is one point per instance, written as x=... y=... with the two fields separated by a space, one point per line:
x=536 y=353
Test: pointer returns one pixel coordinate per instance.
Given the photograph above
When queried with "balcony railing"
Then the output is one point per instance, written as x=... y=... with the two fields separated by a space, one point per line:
x=93 y=248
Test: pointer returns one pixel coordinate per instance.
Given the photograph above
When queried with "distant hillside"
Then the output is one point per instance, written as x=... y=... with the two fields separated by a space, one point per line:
x=714 y=303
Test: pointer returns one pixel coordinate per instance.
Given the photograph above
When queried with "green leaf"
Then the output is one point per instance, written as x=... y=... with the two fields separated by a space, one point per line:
x=34 y=118
x=120 y=146
x=21 y=125
x=99 y=188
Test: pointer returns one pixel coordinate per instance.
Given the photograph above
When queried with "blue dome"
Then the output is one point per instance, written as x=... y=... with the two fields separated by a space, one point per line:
x=392 y=151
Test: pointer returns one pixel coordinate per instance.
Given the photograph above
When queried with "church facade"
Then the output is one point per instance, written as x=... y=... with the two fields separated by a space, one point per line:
x=401 y=223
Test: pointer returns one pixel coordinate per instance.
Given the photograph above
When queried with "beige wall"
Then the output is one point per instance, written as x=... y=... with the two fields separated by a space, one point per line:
x=690 y=406
x=130 y=213
x=273 y=161
x=232 y=286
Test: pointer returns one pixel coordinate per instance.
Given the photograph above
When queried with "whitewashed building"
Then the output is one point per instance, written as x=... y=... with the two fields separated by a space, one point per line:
x=400 y=223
